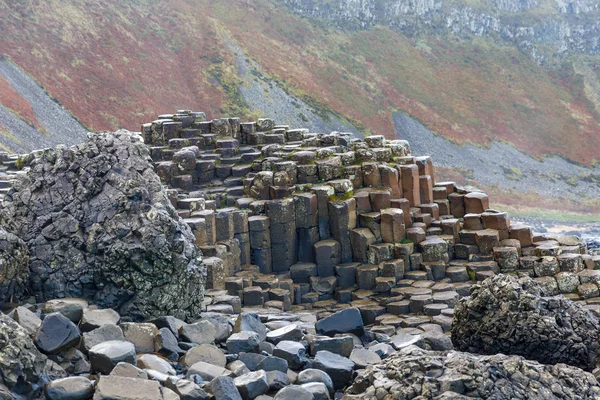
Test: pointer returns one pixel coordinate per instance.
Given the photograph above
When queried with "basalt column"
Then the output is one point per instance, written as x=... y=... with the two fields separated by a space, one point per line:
x=283 y=233
x=260 y=242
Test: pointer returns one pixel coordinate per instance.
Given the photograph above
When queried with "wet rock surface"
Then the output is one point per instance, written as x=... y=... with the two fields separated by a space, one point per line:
x=513 y=316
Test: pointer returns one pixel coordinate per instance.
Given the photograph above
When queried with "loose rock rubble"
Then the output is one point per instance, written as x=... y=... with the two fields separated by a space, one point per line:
x=416 y=373
x=323 y=257
x=510 y=316
x=133 y=359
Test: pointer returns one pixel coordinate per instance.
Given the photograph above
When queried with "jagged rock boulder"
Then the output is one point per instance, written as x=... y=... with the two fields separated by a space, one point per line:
x=413 y=372
x=21 y=363
x=512 y=316
x=99 y=226
x=14 y=271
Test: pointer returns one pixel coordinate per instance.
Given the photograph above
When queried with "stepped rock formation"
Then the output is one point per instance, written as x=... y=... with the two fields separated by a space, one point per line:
x=510 y=316
x=312 y=218
x=304 y=230
x=416 y=373
x=21 y=364
x=98 y=225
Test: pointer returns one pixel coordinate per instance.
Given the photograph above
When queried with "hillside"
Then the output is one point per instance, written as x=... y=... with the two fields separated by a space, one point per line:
x=523 y=72
x=30 y=119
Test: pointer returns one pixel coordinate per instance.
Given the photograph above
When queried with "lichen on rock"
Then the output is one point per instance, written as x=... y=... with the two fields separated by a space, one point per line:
x=416 y=373
x=21 y=363
x=507 y=315
x=14 y=270
x=99 y=226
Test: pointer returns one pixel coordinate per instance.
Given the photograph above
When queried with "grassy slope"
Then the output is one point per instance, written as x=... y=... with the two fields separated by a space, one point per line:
x=118 y=64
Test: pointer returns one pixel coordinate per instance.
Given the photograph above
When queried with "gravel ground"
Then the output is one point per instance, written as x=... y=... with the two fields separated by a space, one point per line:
x=61 y=126
x=272 y=101
x=491 y=166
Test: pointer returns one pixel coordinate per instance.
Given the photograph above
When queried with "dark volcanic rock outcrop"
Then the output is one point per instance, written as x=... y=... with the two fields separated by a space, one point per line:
x=21 y=364
x=416 y=373
x=14 y=271
x=512 y=316
x=98 y=225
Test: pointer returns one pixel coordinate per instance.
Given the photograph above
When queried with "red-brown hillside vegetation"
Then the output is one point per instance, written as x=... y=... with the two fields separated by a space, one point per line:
x=120 y=63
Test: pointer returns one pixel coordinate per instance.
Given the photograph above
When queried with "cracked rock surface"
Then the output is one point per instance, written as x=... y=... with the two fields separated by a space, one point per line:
x=416 y=373
x=14 y=271
x=21 y=363
x=99 y=226
x=513 y=316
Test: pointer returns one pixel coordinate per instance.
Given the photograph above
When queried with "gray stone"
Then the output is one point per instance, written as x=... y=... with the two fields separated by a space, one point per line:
x=222 y=325
x=223 y=388
x=105 y=356
x=168 y=394
x=273 y=363
x=121 y=388
x=187 y=390
x=337 y=367
x=294 y=393
x=238 y=368
x=292 y=352
x=288 y=332
x=315 y=375
x=72 y=388
x=207 y=371
x=154 y=362
x=251 y=360
x=56 y=333
x=252 y=384
x=348 y=320
x=364 y=357
x=99 y=335
x=14 y=274
x=277 y=380
x=169 y=322
x=27 y=319
x=165 y=343
x=250 y=322
x=199 y=332
x=244 y=341
x=317 y=389
x=70 y=308
x=93 y=319
x=436 y=341
x=127 y=370
x=207 y=353
x=383 y=350
x=341 y=345
x=141 y=335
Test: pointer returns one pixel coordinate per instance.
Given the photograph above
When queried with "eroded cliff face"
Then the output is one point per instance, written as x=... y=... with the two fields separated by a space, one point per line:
x=543 y=28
